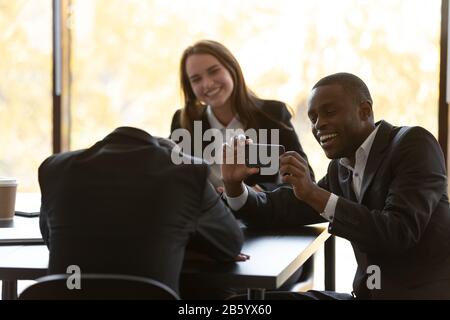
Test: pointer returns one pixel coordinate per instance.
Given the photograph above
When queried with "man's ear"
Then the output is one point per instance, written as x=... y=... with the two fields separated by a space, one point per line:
x=365 y=110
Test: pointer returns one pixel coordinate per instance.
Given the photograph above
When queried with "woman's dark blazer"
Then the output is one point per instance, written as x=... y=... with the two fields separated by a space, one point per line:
x=277 y=113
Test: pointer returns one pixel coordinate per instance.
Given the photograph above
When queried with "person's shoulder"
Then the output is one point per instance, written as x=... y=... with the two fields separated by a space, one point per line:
x=66 y=155
x=275 y=109
x=195 y=168
x=59 y=159
x=412 y=133
x=165 y=143
x=272 y=105
x=414 y=140
x=178 y=158
x=177 y=161
x=418 y=130
x=177 y=115
x=176 y=120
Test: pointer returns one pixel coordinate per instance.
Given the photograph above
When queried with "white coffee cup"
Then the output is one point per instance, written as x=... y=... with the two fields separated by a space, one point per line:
x=8 y=189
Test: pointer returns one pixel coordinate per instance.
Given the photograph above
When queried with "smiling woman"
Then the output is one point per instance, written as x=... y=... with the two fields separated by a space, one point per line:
x=216 y=98
x=211 y=83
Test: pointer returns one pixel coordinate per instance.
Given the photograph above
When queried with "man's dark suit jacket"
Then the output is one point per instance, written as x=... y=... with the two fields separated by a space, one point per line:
x=401 y=223
x=288 y=138
x=122 y=207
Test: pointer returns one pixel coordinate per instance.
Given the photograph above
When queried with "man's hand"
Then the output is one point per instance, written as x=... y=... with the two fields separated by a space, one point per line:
x=234 y=173
x=295 y=171
x=242 y=257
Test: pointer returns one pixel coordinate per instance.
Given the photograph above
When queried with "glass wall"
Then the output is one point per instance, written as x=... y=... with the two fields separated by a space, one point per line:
x=25 y=89
x=125 y=60
x=126 y=57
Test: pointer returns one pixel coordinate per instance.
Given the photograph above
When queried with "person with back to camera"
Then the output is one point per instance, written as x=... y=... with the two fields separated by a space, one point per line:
x=385 y=191
x=110 y=209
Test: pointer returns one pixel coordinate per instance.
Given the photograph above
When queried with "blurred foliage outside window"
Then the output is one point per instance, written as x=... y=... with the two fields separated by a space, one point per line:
x=25 y=89
x=125 y=65
x=125 y=60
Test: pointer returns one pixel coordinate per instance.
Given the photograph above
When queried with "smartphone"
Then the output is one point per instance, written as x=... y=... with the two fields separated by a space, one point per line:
x=262 y=155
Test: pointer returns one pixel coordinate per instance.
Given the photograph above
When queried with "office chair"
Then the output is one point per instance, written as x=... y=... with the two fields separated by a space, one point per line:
x=98 y=287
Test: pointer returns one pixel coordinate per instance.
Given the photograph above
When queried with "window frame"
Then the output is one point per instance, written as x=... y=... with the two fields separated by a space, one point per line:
x=61 y=75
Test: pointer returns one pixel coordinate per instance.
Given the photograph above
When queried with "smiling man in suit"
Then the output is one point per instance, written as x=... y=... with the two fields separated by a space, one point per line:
x=385 y=191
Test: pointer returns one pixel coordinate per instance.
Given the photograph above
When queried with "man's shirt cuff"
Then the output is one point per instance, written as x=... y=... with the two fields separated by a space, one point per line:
x=330 y=208
x=238 y=202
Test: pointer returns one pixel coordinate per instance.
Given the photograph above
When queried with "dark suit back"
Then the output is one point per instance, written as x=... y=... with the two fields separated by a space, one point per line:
x=121 y=206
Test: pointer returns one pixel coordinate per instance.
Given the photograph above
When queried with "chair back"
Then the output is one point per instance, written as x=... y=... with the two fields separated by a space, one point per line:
x=98 y=287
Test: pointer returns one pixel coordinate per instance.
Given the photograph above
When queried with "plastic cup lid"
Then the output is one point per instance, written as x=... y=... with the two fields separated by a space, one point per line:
x=8 y=182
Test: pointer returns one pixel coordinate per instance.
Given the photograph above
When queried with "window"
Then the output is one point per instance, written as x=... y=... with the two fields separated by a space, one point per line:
x=25 y=89
x=125 y=59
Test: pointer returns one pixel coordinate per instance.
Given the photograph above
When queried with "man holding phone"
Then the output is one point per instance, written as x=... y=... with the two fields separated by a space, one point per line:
x=385 y=191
